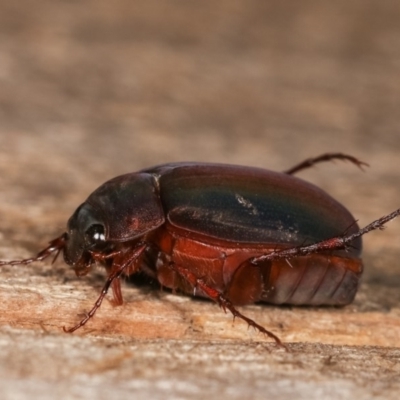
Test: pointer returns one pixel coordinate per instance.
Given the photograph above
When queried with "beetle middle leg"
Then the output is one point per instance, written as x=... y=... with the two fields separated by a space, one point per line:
x=218 y=297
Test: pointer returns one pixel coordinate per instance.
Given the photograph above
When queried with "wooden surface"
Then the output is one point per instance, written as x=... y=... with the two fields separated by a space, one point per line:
x=96 y=89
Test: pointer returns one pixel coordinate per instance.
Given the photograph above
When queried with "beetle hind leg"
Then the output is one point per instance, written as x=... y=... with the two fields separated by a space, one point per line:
x=218 y=297
x=310 y=162
x=342 y=242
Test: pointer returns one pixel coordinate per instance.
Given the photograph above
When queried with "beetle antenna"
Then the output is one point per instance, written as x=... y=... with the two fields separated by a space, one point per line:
x=55 y=246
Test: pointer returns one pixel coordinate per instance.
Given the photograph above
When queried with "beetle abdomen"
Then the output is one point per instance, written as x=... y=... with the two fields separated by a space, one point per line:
x=312 y=280
x=309 y=280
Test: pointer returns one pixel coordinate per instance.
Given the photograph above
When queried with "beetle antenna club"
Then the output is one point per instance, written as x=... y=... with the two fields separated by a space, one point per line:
x=199 y=229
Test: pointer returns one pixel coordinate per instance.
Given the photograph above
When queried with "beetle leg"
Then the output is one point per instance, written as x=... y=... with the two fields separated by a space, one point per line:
x=222 y=301
x=116 y=271
x=55 y=246
x=335 y=243
x=117 y=293
x=325 y=157
x=98 y=256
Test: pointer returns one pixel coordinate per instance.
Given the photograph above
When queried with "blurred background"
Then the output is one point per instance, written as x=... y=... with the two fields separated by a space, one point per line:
x=93 y=89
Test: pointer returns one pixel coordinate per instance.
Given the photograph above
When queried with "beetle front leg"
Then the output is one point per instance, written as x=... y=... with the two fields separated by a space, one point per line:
x=55 y=246
x=223 y=302
x=118 y=268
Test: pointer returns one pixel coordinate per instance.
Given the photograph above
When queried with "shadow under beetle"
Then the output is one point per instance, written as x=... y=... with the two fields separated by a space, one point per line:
x=237 y=235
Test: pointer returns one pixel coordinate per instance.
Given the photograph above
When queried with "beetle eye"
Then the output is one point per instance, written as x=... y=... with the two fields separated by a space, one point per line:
x=94 y=235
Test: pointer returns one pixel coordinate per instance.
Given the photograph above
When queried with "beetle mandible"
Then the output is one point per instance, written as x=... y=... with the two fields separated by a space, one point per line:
x=237 y=235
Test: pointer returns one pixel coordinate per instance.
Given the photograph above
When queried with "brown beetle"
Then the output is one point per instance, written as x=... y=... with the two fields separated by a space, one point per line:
x=234 y=234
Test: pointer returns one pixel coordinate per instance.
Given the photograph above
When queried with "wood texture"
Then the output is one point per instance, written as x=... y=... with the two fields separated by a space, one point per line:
x=96 y=89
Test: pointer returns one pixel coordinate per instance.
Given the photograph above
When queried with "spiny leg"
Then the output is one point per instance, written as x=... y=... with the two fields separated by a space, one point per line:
x=224 y=303
x=55 y=246
x=335 y=243
x=116 y=272
x=322 y=158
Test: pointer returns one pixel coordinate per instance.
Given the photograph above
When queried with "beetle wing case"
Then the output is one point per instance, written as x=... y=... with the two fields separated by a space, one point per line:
x=250 y=205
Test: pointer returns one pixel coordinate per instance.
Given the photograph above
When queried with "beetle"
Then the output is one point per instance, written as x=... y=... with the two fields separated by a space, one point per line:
x=234 y=234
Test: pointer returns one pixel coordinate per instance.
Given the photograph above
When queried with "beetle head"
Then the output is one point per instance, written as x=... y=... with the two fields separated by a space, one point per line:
x=120 y=211
x=85 y=236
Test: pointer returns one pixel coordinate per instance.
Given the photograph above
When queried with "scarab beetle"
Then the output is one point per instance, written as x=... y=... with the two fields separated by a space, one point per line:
x=234 y=234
